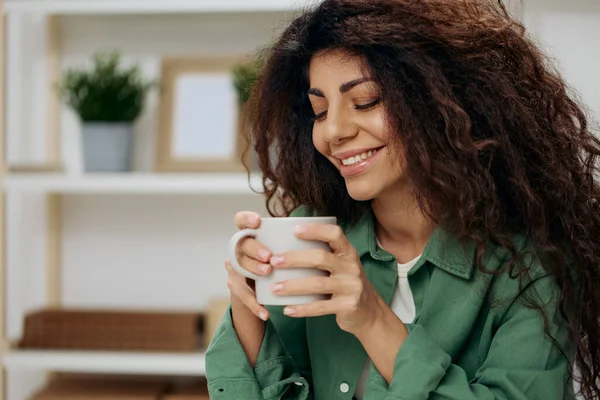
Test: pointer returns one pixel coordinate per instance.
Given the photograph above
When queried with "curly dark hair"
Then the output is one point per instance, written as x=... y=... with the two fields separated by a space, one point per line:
x=495 y=143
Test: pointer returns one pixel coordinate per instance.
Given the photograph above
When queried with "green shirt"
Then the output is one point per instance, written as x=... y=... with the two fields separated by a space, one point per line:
x=472 y=337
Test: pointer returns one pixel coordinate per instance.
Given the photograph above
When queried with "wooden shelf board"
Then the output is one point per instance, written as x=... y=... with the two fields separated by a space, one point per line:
x=66 y=7
x=136 y=183
x=182 y=364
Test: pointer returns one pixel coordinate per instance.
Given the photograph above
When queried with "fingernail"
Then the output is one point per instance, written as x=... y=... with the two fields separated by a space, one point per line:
x=289 y=311
x=253 y=218
x=264 y=268
x=300 y=229
x=277 y=260
x=263 y=315
x=277 y=287
x=264 y=254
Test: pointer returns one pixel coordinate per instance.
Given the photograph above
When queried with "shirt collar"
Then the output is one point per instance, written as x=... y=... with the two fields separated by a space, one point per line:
x=444 y=250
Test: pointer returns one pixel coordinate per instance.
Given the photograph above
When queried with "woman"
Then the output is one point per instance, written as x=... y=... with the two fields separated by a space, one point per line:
x=463 y=174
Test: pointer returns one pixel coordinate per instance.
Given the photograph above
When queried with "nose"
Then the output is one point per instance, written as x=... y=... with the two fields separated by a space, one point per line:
x=339 y=127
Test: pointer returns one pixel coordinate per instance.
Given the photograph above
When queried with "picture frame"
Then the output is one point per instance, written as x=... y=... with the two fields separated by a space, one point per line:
x=199 y=116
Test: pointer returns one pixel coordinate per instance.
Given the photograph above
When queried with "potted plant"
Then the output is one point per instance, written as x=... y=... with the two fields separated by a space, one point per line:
x=107 y=99
x=245 y=74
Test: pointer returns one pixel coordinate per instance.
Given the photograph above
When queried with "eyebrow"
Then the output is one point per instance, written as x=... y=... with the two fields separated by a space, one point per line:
x=345 y=87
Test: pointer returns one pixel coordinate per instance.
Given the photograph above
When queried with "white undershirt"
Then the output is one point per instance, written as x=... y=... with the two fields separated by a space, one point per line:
x=403 y=306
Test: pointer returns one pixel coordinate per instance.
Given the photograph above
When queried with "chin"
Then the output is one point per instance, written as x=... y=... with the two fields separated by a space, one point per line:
x=361 y=190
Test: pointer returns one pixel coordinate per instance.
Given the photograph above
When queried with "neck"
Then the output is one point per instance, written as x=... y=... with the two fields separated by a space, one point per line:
x=402 y=229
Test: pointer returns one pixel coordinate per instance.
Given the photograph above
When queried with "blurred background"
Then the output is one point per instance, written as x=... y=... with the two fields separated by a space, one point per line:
x=121 y=173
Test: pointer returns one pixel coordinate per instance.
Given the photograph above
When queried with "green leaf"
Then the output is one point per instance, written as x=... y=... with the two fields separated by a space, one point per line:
x=245 y=76
x=107 y=92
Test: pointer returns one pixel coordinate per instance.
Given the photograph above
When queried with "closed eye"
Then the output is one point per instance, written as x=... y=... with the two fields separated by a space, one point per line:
x=367 y=106
x=319 y=116
x=360 y=107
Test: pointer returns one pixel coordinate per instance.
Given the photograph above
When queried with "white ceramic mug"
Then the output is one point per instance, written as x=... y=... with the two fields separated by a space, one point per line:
x=277 y=235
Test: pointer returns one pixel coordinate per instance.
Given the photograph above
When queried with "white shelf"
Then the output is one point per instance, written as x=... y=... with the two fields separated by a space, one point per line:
x=65 y=7
x=182 y=364
x=136 y=183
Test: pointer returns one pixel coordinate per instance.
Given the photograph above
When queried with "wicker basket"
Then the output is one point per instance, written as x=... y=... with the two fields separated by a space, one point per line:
x=196 y=391
x=112 y=330
x=213 y=317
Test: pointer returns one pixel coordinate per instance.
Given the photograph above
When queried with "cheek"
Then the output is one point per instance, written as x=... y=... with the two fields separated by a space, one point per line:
x=319 y=142
x=375 y=124
x=396 y=161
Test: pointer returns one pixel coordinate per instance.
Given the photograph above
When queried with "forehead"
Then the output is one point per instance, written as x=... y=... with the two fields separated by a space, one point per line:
x=334 y=67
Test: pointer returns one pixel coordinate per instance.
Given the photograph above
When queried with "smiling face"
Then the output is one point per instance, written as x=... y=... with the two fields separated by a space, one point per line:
x=349 y=127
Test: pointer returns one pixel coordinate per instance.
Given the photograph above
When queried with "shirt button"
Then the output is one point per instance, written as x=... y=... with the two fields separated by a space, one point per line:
x=344 y=388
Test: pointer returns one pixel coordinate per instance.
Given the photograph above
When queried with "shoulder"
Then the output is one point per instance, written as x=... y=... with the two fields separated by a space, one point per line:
x=527 y=282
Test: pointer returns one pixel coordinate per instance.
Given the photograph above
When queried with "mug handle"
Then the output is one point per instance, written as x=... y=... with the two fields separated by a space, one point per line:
x=235 y=239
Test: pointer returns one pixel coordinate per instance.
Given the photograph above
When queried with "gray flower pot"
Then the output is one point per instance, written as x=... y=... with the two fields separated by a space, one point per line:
x=106 y=146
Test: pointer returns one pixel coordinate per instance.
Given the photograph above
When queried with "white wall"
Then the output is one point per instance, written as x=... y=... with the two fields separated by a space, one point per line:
x=569 y=30
x=26 y=71
x=158 y=252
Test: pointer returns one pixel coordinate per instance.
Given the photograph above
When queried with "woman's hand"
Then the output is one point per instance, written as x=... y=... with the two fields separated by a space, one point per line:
x=354 y=300
x=255 y=258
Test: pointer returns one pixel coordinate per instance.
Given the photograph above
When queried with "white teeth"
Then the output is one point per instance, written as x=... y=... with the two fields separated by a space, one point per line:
x=358 y=157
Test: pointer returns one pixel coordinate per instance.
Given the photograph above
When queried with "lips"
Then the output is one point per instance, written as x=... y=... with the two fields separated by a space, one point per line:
x=357 y=162
x=359 y=157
